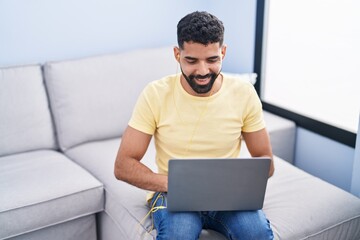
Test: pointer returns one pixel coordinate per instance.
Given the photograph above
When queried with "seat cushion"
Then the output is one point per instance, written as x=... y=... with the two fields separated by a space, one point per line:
x=298 y=205
x=301 y=206
x=25 y=121
x=93 y=98
x=125 y=204
x=43 y=188
x=294 y=196
x=83 y=228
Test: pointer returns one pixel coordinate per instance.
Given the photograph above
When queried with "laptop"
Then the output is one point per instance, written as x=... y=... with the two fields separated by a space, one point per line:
x=217 y=184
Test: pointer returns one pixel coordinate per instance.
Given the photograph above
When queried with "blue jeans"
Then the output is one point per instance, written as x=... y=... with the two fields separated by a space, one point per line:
x=188 y=225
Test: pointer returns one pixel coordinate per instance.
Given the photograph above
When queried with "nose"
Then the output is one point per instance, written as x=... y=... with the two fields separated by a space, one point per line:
x=203 y=68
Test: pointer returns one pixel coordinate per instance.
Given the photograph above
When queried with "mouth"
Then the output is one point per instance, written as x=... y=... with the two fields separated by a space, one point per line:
x=202 y=81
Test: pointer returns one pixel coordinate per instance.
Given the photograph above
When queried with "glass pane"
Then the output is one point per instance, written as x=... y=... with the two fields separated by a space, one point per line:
x=312 y=59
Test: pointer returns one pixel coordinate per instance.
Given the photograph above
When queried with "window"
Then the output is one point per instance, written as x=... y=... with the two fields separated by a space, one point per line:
x=308 y=60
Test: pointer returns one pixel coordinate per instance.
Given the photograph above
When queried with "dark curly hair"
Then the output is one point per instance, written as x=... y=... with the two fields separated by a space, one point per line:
x=200 y=27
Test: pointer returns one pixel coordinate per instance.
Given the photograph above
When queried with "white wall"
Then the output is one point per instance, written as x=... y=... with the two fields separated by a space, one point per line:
x=324 y=158
x=36 y=31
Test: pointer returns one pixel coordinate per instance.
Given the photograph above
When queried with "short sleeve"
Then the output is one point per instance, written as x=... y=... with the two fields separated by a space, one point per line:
x=253 y=118
x=143 y=117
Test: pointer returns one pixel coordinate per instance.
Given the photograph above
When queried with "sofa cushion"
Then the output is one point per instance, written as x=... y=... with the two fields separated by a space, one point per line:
x=93 y=98
x=301 y=206
x=295 y=202
x=25 y=121
x=282 y=136
x=125 y=204
x=43 y=188
x=83 y=228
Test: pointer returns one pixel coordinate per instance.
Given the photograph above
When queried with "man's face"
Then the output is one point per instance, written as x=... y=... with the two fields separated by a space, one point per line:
x=200 y=65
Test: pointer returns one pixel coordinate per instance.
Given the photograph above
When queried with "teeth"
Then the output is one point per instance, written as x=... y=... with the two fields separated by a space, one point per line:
x=202 y=80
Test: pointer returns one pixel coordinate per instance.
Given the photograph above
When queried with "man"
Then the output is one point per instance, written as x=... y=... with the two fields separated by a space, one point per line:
x=198 y=113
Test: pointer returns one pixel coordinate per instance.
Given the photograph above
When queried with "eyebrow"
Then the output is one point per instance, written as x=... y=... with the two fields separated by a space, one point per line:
x=191 y=58
x=213 y=57
x=194 y=59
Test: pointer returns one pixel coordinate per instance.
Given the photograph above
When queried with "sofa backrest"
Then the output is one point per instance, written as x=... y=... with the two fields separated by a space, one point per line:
x=25 y=119
x=93 y=98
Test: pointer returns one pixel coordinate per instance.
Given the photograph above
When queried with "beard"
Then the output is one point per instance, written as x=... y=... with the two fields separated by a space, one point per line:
x=201 y=89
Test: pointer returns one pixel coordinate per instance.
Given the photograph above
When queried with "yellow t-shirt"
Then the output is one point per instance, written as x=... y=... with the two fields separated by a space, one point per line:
x=186 y=126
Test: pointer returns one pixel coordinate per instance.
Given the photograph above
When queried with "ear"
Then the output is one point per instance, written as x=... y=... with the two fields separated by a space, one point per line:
x=177 y=54
x=223 y=51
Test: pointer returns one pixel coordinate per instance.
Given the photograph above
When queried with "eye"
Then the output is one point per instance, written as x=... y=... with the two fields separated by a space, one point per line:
x=191 y=61
x=213 y=60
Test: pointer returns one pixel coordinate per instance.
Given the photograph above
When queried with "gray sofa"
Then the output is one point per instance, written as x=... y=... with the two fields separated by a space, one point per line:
x=60 y=128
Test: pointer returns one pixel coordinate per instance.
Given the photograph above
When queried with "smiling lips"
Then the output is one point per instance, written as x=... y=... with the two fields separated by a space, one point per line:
x=202 y=81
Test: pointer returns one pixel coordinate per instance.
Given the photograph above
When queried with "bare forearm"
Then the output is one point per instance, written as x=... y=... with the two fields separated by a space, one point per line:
x=258 y=144
x=272 y=168
x=135 y=173
x=128 y=167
